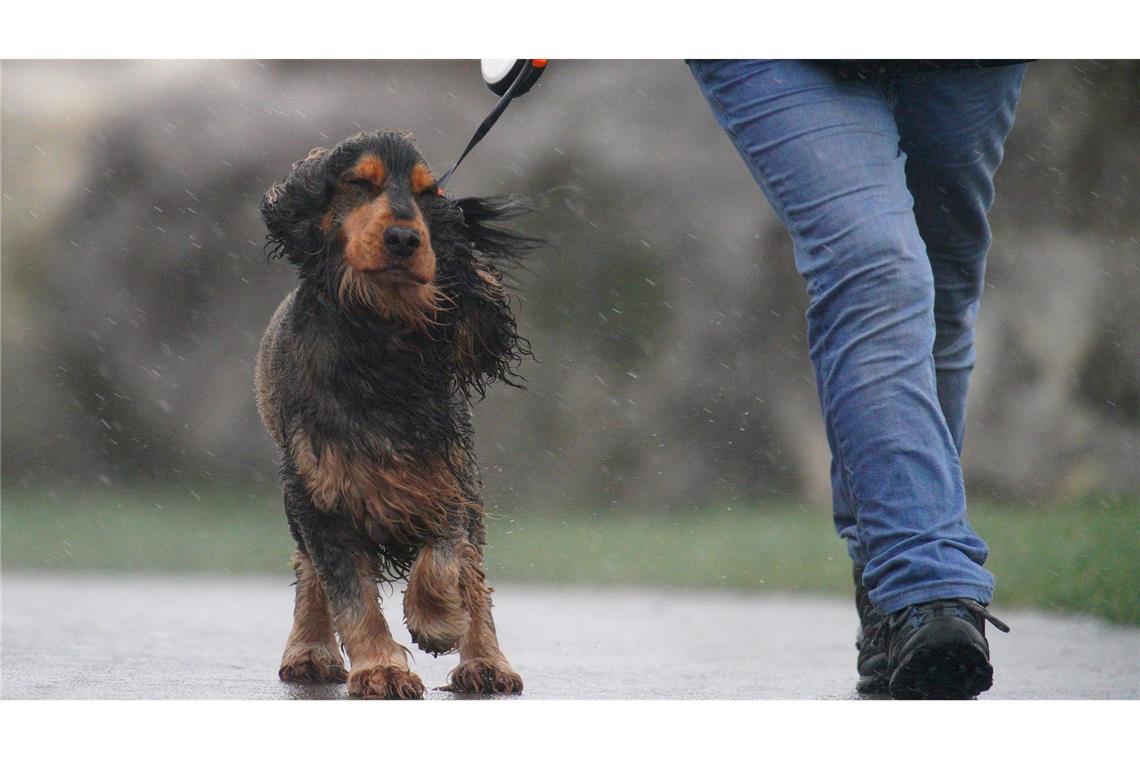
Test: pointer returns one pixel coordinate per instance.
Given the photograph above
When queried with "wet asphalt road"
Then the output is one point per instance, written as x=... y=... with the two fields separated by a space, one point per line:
x=109 y=637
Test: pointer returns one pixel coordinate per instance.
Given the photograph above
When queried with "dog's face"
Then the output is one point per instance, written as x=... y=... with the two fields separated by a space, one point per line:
x=354 y=220
x=376 y=219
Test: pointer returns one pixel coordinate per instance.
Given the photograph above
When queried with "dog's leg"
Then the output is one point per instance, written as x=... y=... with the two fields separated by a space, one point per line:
x=347 y=572
x=311 y=652
x=433 y=606
x=379 y=664
x=483 y=668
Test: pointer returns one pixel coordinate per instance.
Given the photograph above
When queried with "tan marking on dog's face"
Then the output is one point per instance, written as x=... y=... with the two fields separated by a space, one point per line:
x=422 y=179
x=362 y=231
x=369 y=168
x=388 y=284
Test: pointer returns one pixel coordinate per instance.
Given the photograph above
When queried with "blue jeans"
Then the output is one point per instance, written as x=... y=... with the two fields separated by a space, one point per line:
x=884 y=184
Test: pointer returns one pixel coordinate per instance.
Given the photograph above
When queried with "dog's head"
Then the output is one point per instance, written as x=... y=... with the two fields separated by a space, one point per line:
x=366 y=225
x=355 y=222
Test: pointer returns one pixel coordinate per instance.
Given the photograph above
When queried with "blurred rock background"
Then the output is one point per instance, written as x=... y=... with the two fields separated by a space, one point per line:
x=666 y=316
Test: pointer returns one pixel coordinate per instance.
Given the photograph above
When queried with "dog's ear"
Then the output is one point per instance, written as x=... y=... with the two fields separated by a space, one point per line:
x=500 y=245
x=488 y=346
x=291 y=209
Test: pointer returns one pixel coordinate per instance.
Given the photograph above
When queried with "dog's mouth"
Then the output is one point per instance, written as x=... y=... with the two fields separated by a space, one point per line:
x=394 y=292
x=398 y=275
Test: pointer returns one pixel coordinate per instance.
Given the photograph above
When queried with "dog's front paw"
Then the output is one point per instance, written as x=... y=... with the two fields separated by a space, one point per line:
x=311 y=663
x=433 y=606
x=385 y=682
x=485 y=676
x=435 y=641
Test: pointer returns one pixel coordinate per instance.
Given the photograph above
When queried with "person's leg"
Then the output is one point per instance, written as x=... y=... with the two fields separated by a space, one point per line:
x=953 y=126
x=826 y=153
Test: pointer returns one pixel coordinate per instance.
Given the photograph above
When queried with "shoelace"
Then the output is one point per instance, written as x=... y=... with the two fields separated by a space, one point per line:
x=923 y=610
x=970 y=604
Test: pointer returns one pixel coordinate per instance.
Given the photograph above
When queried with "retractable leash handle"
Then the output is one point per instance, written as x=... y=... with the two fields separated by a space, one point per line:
x=501 y=73
x=508 y=78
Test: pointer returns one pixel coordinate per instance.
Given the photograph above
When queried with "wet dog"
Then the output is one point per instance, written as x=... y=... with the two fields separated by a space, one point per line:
x=364 y=379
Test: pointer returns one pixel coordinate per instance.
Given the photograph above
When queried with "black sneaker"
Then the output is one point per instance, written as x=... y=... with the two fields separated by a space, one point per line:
x=938 y=650
x=872 y=659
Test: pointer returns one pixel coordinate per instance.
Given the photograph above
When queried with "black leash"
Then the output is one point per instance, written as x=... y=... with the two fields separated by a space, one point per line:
x=527 y=74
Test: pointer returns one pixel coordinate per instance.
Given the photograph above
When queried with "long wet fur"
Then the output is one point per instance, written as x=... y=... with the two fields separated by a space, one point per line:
x=367 y=390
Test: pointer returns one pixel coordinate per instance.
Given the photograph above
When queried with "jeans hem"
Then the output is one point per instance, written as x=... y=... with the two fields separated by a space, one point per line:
x=932 y=592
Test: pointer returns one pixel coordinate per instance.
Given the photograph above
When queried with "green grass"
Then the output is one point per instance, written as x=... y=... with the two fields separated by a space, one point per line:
x=137 y=533
x=1081 y=557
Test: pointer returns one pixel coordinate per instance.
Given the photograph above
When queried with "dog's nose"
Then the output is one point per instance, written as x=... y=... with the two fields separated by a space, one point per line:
x=401 y=241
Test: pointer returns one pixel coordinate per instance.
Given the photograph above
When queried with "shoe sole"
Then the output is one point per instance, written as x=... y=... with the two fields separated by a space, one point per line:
x=946 y=667
x=960 y=672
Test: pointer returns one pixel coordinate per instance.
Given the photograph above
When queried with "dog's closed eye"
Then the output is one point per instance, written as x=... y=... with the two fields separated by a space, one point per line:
x=360 y=182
